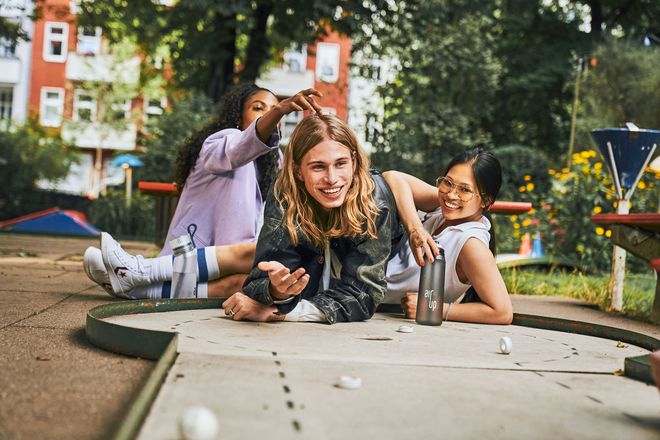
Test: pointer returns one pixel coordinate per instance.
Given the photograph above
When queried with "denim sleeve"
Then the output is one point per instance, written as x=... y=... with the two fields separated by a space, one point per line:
x=274 y=244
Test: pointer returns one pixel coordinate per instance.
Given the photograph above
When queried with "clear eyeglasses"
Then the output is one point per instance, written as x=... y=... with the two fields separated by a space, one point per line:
x=446 y=185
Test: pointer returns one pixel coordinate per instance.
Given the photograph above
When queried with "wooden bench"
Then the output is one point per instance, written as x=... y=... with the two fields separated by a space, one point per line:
x=639 y=234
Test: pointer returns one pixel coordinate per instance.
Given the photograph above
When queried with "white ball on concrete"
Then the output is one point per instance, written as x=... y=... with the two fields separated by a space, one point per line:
x=406 y=329
x=349 y=382
x=198 y=423
x=505 y=345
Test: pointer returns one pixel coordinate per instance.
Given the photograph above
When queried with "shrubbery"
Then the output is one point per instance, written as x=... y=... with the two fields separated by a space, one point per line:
x=562 y=213
x=110 y=213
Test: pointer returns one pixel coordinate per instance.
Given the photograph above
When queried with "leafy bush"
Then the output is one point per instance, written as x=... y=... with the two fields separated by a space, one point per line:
x=169 y=132
x=27 y=154
x=562 y=213
x=110 y=213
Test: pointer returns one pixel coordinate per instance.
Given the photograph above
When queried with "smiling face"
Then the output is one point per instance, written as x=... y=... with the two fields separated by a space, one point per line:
x=327 y=173
x=257 y=105
x=453 y=208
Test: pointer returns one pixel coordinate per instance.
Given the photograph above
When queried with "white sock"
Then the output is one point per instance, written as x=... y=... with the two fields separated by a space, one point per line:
x=151 y=291
x=213 y=270
x=161 y=269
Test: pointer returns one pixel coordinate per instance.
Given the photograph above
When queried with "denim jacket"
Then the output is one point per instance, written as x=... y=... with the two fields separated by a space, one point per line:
x=360 y=286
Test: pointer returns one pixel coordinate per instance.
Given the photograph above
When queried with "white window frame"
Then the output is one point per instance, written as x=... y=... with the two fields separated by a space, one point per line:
x=79 y=105
x=94 y=41
x=299 y=57
x=6 y=49
x=288 y=124
x=49 y=38
x=44 y=103
x=327 y=54
x=152 y=110
x=123 y=107
x=6 y=106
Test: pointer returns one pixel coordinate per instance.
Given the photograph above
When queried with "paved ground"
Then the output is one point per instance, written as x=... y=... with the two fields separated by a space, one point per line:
x=54 y=384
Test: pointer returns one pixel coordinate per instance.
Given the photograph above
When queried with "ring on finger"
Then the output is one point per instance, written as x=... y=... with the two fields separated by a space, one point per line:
x=231 y=312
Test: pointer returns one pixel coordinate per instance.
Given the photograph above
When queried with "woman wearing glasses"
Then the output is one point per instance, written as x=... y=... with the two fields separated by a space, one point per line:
x=456 y=222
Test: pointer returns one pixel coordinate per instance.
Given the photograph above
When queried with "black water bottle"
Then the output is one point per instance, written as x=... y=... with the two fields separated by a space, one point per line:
x=431 y=294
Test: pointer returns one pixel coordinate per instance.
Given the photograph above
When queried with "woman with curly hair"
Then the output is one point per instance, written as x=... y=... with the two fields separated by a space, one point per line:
x=223 y=173
x=231 y=163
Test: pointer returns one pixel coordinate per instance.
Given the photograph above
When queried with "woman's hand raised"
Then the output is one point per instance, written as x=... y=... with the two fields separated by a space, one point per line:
x=301 y=101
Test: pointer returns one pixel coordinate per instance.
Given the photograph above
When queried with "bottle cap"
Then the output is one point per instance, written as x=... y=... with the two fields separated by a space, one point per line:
x=182 y=243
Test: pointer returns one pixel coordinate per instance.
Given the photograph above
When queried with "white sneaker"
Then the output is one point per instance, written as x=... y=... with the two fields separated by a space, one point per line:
x=95 y=270
x=125 y=270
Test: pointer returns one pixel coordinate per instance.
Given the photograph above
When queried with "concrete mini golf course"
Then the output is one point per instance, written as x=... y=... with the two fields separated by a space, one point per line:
x=278 y=380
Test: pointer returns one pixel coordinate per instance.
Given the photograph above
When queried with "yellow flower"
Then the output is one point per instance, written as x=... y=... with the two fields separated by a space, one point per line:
x=521 y=189
x=527 y=178
x=598 y=166
x=513 y=218
x=600 y=231
x=608 y=233
x=531 y=211
x=641 y=184
x=597 y=209
x=526 y=222
x=564 y=170
x=516 y=226
x=516 y=233
x=551 y=171
x=615 y=204
x=586 y=154
x=608 y=196
x=585 y=169
x=530 y=186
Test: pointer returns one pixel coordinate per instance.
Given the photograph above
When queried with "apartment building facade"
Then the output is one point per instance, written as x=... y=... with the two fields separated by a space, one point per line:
x=15 y=64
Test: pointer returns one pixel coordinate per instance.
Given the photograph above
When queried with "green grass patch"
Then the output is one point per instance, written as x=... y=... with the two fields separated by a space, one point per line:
x=638 y=294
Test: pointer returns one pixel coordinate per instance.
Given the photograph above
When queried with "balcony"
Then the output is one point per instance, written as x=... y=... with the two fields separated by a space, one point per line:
x=102 y=68
x=94 y=135
x=10 y=70
x=283 y=82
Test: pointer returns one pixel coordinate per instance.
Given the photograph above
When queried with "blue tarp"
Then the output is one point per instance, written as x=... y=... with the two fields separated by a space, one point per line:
x=53 y=221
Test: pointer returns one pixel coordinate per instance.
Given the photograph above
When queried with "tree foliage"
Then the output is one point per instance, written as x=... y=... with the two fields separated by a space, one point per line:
x=168 y=134
x=211 y=44
x=442 y=92
x=622 y=87
x=28 y=154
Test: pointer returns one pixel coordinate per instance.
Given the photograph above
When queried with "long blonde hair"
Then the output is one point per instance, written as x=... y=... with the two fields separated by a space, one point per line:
x=355 y=217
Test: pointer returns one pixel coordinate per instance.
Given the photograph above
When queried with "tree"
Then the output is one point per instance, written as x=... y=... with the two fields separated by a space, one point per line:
x=443 y=87
x=168 y=134
x=28 y=154
x=104 y=93
x=621 y=88
x=212 y=44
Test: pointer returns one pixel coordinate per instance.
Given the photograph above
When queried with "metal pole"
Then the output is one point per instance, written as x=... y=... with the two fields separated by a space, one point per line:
x=576 y=95
x=618 y=265
x=129 y=184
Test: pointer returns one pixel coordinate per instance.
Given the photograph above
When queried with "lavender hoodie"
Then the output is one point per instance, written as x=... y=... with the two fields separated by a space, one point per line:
x=221 y=200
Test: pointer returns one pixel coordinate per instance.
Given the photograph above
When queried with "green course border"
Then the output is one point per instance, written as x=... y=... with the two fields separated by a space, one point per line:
x=162 y=345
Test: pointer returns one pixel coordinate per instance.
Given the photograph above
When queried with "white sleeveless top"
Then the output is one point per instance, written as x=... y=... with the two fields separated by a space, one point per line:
x=403 y=272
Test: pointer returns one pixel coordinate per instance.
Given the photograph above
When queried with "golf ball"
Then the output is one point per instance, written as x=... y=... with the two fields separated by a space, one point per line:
x=406 y=329
x=349 y=382
x=505 y=345
x=198 y=423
